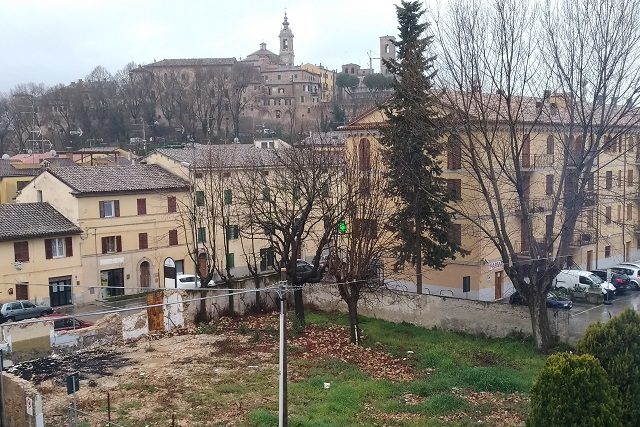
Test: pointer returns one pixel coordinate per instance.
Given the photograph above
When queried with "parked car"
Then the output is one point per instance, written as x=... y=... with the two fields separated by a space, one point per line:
x=619 y=280
x=188 y=281
x=631 y=270
x=582 y=280
x=62 y=322
x=305 y=273
x=22 y=309
x=554 y=300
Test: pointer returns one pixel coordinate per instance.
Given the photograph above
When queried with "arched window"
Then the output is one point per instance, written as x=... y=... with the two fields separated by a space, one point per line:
x=550 y=144
x=364 y=154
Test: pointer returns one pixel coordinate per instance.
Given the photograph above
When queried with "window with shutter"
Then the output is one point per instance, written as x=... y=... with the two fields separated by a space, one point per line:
x=56 y=248
x=454 y=153
x=68 y=246
x=609 y=180
x=454 y=188
x=173 y=237
x=549 y=184
x=142 y=206
x=364 y=154
x=171 y=204
x=455 y=234
x=228 y=197
x=48 y=251
x=111 y=244
x=21 y=251
x=202 y=235
x=232 y=232
x=143 y=241
x=116 y=207
x=199 y=198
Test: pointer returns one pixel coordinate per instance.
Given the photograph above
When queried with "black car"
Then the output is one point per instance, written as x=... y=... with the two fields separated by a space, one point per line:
x=553 y=301
x=621 y=281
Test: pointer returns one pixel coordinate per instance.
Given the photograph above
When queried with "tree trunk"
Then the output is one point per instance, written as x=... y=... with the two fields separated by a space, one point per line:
x=256 y=283
x=354 y=326
x=418 y=257
x=202 y=312
x=299 y=307
x=540 y=320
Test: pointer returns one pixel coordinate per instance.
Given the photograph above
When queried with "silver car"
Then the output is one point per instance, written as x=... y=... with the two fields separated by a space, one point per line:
x=22 y=309
x=632 y=270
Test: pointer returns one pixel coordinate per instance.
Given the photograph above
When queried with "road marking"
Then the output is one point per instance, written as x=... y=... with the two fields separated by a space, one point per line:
x=588 y=309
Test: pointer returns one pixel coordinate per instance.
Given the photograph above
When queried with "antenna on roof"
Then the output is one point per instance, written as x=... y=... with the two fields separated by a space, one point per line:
x=53 y=153
x=5 y=157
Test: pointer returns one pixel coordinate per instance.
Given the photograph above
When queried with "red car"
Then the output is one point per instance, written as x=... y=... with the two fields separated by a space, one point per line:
x=62 y=322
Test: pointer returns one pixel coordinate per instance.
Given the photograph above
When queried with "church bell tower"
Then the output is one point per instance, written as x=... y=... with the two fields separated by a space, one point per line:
x=286 y=43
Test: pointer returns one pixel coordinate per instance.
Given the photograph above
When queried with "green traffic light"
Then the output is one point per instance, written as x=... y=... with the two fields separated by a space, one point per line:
x=342 y=226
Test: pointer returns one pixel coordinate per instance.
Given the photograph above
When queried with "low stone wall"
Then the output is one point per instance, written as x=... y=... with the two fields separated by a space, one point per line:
x=17 y=393
x=26 y=336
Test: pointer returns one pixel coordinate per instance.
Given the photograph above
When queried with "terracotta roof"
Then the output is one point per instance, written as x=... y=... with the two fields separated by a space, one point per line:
x=29 y=220
x=219 y=156
x=7 y=169
x=190 y=62
x=90 y=180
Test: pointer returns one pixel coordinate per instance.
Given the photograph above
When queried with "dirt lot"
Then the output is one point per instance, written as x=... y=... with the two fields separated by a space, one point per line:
x=227 y=374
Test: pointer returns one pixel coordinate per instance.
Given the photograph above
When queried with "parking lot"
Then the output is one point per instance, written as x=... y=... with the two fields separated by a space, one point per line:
x=582 y=315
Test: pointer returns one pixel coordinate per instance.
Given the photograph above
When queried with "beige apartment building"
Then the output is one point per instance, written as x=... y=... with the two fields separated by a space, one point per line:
x=39 y=255
x=608 y=227
x=129 y=220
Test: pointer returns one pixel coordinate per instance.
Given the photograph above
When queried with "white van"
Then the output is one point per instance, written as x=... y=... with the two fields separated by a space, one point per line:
x=571 y=279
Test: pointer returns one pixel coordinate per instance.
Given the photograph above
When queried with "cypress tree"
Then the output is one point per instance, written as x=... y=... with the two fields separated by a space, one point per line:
x=412 y=139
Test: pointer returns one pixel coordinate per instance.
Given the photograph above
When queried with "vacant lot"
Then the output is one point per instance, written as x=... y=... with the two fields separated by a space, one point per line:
x=226 y=373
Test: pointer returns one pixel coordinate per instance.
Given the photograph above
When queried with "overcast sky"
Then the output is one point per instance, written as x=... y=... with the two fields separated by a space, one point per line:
x=58 y=41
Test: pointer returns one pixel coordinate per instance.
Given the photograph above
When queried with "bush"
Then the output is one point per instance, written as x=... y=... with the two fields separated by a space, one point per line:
x=616 y=345
x=573 y=390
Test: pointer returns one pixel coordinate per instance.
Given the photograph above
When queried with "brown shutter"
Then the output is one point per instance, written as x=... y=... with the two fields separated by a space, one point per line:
x=118 y=244
x=68 y=246
x=173 y=237
x=143 y=241
x=47 y=249
x=171 y=201
x=101 y=209
x=116 y=208
x=21 y=251
x=549 y=185
x=105 y=246
x=142 y=206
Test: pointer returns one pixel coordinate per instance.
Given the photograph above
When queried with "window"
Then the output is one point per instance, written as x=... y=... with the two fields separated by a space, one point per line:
x=142 y=206
x=590 y=218
x=266 y=259
x=608 y=180
x=199 y=198
x=60 y=291
x=364 y=154
x=279 y=76
x=278 y=114
x=607 y=215
x=549 y=185
x=173 y=237
x=619 y=178
x=619 y=213
x=39 y=192
x=143 y=241
x=232 y=232
x=454 y=153
x=302 y=99
x=109 y=208
x=550 y=144
x=172 y=205
x=58 y=248
x=21 y=251
x=607 y=251
x=202 y=234
x=386 y=48
x=266 y=194
x=630 y=177
x=296 y=192
x=21 y=184
x=231 y=262
x=629 y=212
x=590 y=182
x=228 y=197
x=466 y=283
x=111 y=244
x=454 y=189
x=455 y=234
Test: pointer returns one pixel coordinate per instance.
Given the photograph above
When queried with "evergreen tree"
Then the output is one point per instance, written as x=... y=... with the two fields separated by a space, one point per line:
x=422 y=221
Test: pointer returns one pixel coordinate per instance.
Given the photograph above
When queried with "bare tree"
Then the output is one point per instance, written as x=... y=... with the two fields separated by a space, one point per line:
x=292 y=196
x=241 y=77
x=504 y=83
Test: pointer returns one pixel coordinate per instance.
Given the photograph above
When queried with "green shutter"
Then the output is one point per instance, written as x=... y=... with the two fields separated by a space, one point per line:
x=228 y=197
x=231 y=260
x=266 y=194
x=202 y=235
x=199 y=198
x=296 y=192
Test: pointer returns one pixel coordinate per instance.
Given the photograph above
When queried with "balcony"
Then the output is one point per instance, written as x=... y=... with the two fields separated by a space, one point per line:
x=525 y=250
x=535 y=205
x=536 y=161
x=583 y=238
x=636 y=228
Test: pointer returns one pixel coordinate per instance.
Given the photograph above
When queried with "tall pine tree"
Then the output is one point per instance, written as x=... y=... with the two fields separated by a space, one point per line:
x=422 y=222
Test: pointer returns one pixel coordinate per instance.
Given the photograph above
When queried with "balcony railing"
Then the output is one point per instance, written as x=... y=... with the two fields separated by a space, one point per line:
x=536 y=161
x=535 y=205
x=583 y=238
x=525 y=249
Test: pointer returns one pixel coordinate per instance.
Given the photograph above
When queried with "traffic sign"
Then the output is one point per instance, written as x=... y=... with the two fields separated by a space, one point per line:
x=73 y=383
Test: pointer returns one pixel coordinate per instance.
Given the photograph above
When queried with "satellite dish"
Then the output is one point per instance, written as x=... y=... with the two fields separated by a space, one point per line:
x=29 y=151
x=5 y=157
x=236 y=140
x=53 y=153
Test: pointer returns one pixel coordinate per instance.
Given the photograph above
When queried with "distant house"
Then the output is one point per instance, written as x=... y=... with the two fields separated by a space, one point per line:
x=129 y=218
x=39 y=253
x=13 y=179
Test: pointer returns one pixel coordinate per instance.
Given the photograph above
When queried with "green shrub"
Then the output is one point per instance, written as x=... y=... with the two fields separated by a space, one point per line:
x=573 y=390
x=616 y=344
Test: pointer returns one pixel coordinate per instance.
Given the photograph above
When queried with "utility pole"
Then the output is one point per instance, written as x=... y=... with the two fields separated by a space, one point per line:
x=282 y=389
x=2 y=424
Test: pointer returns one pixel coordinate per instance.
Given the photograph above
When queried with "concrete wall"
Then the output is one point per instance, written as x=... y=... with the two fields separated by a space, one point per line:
x=23 y=337
x=16 y=391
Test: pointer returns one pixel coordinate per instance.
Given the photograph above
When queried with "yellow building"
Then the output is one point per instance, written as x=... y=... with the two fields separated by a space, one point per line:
x=129 y=220
x=39 y=255
x=13 y=179
x=607 y=231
